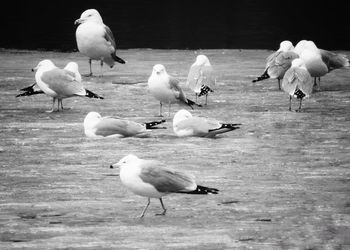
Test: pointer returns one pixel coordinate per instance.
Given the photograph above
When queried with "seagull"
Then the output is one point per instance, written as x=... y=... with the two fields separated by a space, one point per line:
x=166 y=89
x=278 y=63
x=149 y=178
x=200 y=77
x=319 y=62
x=95 y=39
x=97 y=126
x=297 y=82
x=184 y=124
x=59 y=83
x=34 y=89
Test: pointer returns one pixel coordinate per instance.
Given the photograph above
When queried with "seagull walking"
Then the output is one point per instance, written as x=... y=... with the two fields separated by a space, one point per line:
x=149 y=178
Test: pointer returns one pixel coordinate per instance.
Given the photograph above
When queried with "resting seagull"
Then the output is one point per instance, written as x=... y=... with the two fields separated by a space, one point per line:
x=97 y=126
x=166 y=89
x=96 y=40
x=278 y=63
x=297 y=82
x=200 y=77
x=184 y=124
x=59 y=83
x=151 y=179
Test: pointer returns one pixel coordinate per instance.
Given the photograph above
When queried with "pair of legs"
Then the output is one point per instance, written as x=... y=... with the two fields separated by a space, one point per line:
x=59 y=103
x=290 y=104
x=90 y=74
x=149 y=202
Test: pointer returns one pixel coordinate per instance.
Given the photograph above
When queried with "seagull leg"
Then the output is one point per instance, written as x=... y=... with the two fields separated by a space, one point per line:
x=144 y=210
x=164 y=209
x=290 y=103
x=206 y=99
x=90 y=74
x=196 y=97
x=160 y=109
x=279 y=84
x=169 y=109
x=53 y=105
x=101 y=68
x=299 y=109
x=61 y=101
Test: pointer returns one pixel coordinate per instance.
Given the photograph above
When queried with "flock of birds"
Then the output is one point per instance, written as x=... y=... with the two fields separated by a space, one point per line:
x=294 y=66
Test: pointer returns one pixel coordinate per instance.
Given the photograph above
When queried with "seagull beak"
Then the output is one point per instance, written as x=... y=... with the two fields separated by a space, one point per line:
x=33 y=69
x=76 y=22
x=115 y=165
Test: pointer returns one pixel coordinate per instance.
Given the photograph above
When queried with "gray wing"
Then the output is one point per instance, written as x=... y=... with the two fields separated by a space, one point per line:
x=166 y=180
x=200 y=75
x=63 y=82
x=109 y=37
x=175 y=87
x=297 y=78
x=281 y=64
x=199 y=126
x=333 y=60
x=111 y=126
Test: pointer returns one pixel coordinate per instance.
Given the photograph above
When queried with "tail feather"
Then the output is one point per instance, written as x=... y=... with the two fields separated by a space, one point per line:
x=29 y=93
x=264 y=76
x=151 y=125
x=117 y=59
x=205 y=90
x=299 y=94
x=203 y=190
x=191 y=103
x=92 y=95
x=29 y=89
x=229 y=126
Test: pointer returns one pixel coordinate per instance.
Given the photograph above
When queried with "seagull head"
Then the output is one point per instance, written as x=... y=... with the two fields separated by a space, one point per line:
x=72 y=67
x=90 y=121
x=301 y=45
x=158 y=69
x=181 y=115
x=286 y=46
x=298 y=63
x=44 y=65
x=202 y=60
x=89 y=15
x=129 y=159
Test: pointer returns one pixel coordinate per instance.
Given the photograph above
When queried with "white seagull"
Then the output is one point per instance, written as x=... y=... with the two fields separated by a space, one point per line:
x=184 y=124
x=319 y=62
x=95 y=39
x=97 y=126
x=297 y=82
x=149 y=178
x=278 y=63
x=59 y=83
x=166 y=89
x=200 y=77
x=34 y=89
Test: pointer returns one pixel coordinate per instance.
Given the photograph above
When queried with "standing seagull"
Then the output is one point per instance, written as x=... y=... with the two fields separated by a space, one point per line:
x=32 y=90
x=95 y=39
x=278 y=63
x=297 y=82
x=59 y=83
x=200 y=77
x=150 y=179
x=166 y=89
x=184 y=124
x=97 y=126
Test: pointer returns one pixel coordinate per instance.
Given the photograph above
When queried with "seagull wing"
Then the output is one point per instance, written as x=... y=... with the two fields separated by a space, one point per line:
x=166 y=180
x=111 y=126
x=63 y=83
